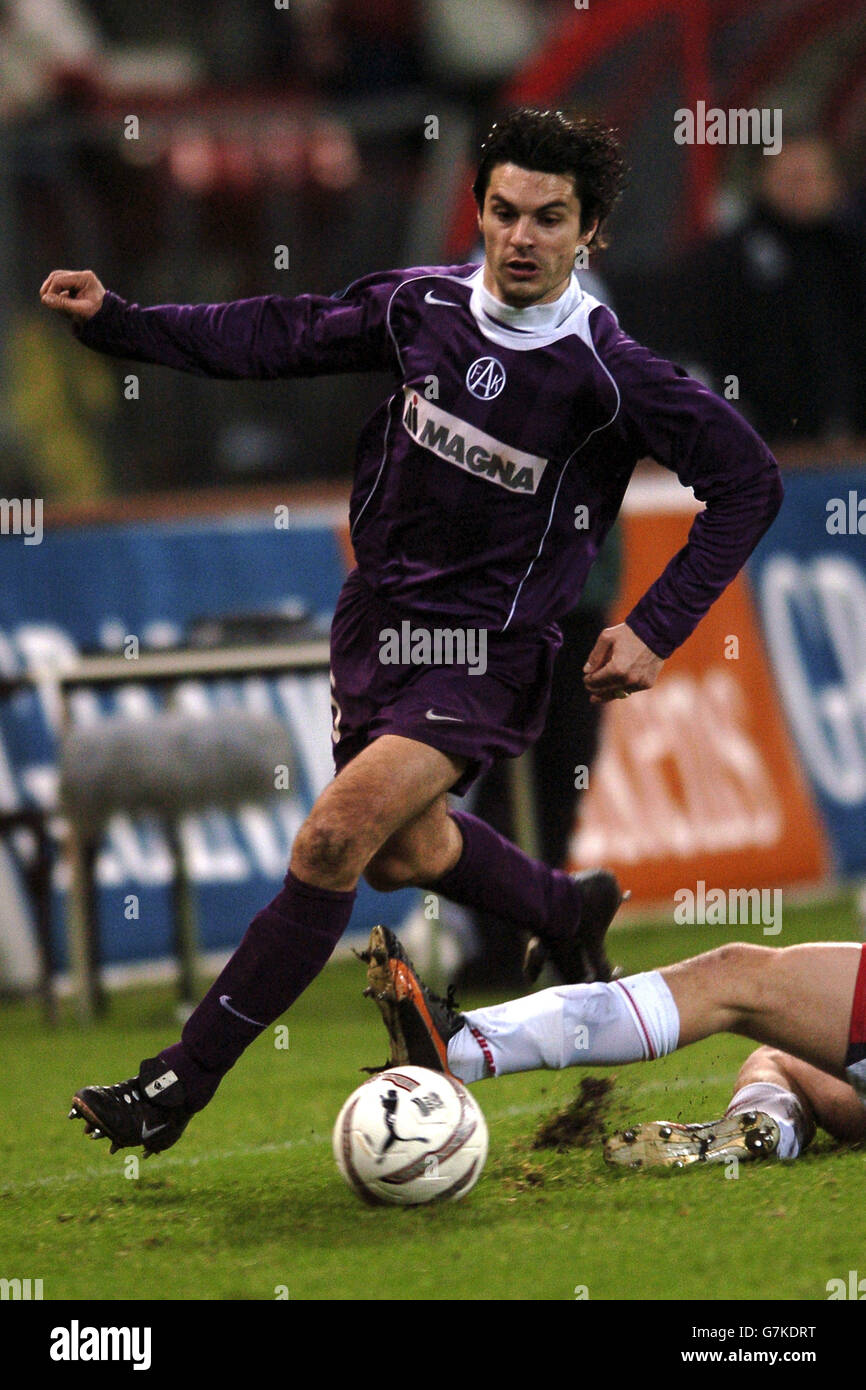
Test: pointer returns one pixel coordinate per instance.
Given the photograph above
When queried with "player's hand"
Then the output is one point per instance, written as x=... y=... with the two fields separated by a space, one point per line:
x=619 y=664
x=77 y=293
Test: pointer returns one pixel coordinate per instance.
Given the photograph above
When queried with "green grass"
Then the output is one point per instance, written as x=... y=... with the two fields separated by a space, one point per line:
x=250 y=1199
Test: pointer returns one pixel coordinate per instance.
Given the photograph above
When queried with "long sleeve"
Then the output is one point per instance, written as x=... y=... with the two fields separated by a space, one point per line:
x=262 y=338
x=672 y=418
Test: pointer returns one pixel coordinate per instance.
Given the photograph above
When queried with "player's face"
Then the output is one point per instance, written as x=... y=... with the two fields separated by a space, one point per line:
x=531 y=228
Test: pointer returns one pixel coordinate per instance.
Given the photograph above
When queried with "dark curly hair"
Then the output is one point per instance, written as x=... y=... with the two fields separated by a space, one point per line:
x=554 y=143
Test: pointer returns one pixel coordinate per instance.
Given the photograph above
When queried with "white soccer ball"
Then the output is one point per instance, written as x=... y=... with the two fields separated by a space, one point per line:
x=410 y=1135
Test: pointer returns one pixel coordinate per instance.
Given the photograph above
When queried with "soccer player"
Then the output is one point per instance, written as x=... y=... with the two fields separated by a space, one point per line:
x=805 y=1005
x=483 y=489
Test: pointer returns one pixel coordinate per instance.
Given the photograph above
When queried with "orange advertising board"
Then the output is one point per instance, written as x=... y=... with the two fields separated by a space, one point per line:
x=697 y=779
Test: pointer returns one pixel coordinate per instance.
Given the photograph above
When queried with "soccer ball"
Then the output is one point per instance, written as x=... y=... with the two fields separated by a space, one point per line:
x=410 y=1135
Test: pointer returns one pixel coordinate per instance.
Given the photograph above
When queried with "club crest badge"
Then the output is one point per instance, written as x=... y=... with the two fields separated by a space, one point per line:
x=486 y=378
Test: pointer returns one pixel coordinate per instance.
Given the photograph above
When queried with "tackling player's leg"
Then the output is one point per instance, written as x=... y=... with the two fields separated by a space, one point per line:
x=806 y=1003
x=778 y=1103
x=798 y=999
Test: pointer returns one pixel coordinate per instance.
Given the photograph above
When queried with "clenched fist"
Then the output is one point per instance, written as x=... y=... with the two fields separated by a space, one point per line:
x=619 y=664
x=77 y=293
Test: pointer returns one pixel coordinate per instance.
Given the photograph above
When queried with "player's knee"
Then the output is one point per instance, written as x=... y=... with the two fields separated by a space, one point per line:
x=764 y=1064
x=324 y=849
x=741 y=959
x=734 y=955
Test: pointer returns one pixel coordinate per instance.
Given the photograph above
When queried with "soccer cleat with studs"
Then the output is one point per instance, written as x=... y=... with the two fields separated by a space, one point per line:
x=127 y=1115
x=419 y=1022
x=581 y=958
x=663 y=1144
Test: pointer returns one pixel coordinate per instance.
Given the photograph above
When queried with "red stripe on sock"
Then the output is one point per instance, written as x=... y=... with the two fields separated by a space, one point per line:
x=857 y=1030
x=637 y=1011
x=485 y=1047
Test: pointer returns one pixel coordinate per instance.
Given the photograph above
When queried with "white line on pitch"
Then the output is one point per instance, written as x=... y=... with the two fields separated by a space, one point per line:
x=508 y=1112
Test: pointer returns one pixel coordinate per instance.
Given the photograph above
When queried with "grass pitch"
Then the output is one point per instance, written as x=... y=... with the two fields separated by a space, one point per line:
x=249 y=1204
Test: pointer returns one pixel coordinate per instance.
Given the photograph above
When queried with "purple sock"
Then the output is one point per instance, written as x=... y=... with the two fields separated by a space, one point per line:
x=283 y=950
x=493 y=876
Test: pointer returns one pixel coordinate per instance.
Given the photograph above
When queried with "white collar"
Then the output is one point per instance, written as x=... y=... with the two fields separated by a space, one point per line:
x=537 y=318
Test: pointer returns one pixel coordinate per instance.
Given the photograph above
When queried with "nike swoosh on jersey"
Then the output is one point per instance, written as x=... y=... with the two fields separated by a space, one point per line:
x=430 y=298
x=444 y=718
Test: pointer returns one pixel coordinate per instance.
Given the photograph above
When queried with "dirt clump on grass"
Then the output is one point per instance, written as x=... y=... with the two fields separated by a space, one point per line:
x=581 y=1122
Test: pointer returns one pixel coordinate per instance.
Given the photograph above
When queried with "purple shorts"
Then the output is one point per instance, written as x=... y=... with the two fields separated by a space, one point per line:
x=492 y=706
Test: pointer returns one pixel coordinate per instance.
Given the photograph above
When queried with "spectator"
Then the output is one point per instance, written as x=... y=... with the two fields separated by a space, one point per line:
x=41 y=44
x=778 y=302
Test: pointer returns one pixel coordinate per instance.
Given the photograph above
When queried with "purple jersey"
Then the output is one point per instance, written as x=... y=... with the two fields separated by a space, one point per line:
x=486 y=483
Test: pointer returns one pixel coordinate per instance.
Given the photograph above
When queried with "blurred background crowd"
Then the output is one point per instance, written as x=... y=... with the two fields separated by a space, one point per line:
x=173 y=148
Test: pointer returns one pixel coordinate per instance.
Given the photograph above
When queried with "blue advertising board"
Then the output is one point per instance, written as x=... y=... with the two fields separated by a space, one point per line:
x=809 y=578
x=90 y=587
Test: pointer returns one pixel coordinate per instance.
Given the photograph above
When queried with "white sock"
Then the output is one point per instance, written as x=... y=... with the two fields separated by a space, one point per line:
x=628 y=1020
x=785 y=1109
